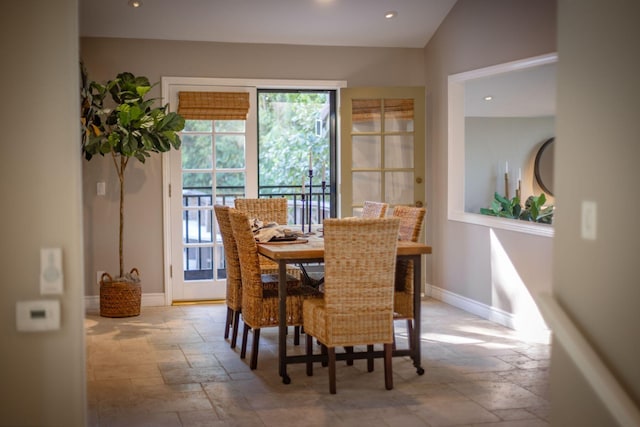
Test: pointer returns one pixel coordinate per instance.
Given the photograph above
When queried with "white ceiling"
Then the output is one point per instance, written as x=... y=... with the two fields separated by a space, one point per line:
x=301 y=22
x=314 y=22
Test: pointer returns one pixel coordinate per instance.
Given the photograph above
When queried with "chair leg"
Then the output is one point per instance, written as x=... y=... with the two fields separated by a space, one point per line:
x=349 y=350
x=388 y=373
x=245 y=335
x=394 y=335
x=309 y=342
x=332 y=370
x=227 y=323
x=410 y=333
x=254 y=349
x=296 y=335
x=236 y=326
x=323 y=350
x=370 y=357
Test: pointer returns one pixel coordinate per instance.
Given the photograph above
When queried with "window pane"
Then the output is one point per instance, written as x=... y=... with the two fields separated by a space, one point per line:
x=196 y=225
x=398 y=151
x=196 y=151
x=366 y=186
x=365 y=151
x=197 y=126
x=230 y=151
x=399 y=188
x=398 y=115
x=366 y=115
x=198 y=263
x=197 y=180
x=230 y=125
x=230 y=183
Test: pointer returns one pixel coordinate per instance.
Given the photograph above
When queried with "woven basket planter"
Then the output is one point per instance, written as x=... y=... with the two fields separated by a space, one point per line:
x=120 y=298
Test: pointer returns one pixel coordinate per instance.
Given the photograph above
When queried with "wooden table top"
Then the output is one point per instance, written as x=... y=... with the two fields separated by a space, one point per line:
x=313 y=248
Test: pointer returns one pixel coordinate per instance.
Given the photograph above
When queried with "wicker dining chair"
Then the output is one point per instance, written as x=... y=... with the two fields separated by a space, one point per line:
x=411 y=219
x=374 y=209
x=357 y=304
x=234 y=278
x=260 y=302
x=267 y=210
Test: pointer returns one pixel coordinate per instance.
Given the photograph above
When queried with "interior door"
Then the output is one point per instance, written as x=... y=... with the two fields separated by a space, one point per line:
x=382 y=147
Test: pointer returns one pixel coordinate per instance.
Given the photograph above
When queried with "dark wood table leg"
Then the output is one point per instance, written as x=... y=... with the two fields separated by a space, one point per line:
x=417 y=309
x=282 y=321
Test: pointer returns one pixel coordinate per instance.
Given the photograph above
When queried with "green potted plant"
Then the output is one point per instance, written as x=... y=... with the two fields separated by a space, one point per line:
x=534 y=209
x=118 y=121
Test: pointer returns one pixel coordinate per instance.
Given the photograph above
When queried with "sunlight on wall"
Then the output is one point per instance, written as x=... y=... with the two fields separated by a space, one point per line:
x=511 y=294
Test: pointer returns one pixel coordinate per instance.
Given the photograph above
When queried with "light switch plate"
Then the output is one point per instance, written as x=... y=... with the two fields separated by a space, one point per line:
x=38 y=315
x=51 y=278
x=588 y=226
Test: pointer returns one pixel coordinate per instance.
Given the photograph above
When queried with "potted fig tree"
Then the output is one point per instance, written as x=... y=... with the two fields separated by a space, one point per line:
x=118 y=121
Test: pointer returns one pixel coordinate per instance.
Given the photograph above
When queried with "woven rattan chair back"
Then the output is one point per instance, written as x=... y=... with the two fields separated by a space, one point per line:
x=411 y=219
x=374 y=209
x=232 y=267
x=260 y=302
x=357 y=308
x=266 y=210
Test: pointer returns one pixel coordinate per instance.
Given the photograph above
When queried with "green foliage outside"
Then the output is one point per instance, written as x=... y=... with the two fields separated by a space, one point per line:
x=290 y=125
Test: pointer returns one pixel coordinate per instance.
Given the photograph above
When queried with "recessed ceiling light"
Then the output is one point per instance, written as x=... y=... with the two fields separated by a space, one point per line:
x=488 y=98
x=135 y=3
x=391 y=14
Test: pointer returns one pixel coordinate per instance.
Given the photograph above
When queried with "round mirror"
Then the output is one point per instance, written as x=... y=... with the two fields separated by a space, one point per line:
x=543 y=167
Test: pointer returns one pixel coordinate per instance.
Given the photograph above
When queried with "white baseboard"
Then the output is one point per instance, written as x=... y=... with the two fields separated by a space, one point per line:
x=540 y=333
x=92 y=302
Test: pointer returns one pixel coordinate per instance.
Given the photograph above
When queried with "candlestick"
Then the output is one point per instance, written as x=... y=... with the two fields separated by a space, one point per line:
x=506 y=185
x=324 y=186
x=310 y=193
x=302 y=214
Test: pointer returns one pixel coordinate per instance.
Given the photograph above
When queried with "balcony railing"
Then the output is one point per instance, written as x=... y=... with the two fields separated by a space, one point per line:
x=197 y=224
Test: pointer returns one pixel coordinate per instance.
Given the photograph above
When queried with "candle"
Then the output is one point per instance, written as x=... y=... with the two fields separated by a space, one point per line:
x=303 y=179
x=506 y=166
x=310 y=166
x=323 y=173
x=519 y=174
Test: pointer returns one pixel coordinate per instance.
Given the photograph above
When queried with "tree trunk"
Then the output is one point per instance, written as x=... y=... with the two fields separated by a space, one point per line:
x=120 y=170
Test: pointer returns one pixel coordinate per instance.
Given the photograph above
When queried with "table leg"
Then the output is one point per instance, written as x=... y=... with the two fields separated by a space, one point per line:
x=417 y=309
x=282 y=321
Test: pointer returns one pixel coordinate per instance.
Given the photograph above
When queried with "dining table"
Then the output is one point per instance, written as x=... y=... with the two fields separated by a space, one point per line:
x=310 y=249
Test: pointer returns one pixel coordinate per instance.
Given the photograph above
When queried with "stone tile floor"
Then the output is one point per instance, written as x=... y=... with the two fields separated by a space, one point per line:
x=171 y=366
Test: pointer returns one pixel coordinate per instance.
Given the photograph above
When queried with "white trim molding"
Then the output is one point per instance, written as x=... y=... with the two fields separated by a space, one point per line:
x=493 y=314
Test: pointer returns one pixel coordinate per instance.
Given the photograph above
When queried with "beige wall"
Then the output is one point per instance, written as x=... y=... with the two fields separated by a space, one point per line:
x=597 y=154
x=477 y=34
x=42 y=373
x=105 y=58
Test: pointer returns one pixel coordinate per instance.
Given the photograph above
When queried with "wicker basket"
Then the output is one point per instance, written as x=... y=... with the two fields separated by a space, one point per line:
x=120 y=298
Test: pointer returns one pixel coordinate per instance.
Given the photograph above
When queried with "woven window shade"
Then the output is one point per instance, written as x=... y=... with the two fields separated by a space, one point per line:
x=366 y=110
x=213 y=105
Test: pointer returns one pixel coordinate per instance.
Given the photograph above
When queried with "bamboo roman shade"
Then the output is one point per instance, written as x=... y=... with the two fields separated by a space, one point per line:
x=364 y=110
x=213 y=105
